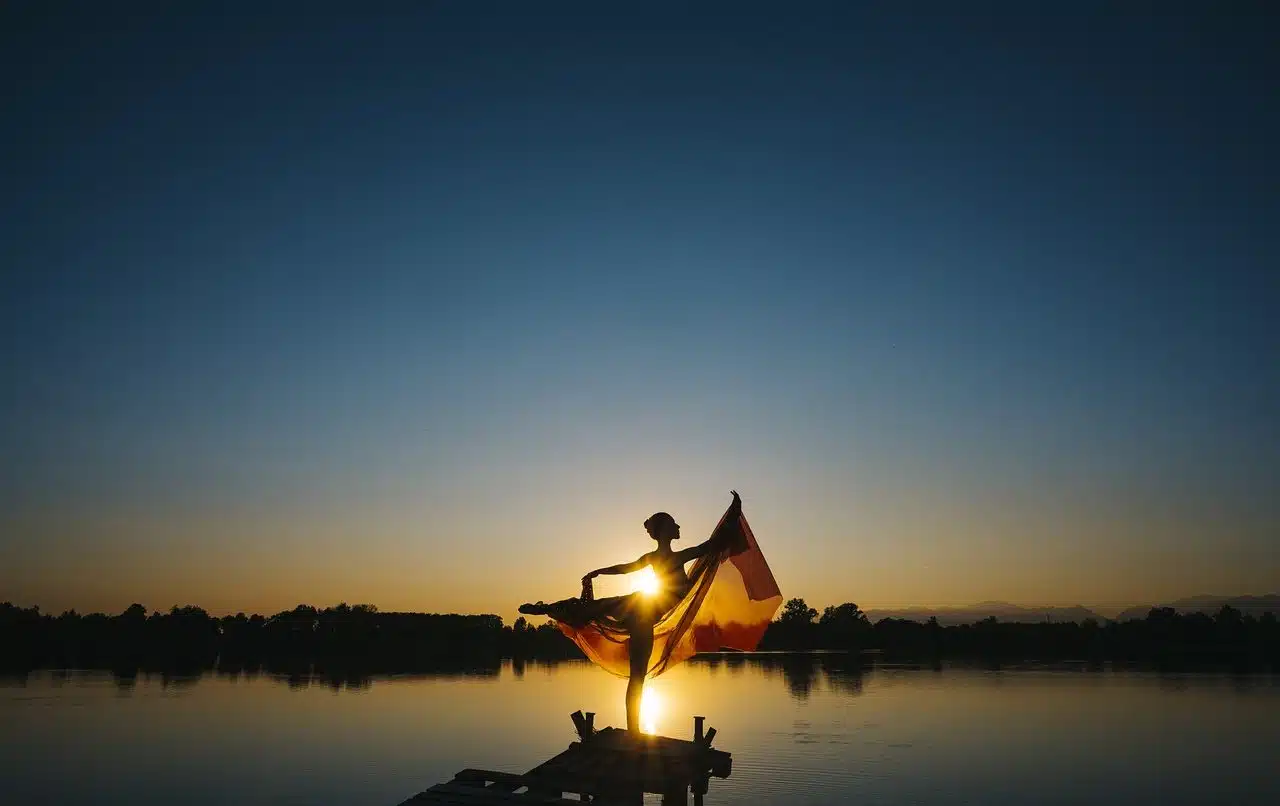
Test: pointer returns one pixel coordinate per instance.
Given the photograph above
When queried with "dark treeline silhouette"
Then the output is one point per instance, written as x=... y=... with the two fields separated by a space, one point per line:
x=343 y=640
x=1164 y=638
x=351 y=642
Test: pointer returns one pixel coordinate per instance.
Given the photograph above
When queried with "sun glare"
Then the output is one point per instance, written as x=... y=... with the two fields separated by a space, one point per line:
x=645 y=581
x=650 y=710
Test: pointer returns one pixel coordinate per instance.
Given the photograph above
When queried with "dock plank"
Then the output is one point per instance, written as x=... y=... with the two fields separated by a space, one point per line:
x=456 y=794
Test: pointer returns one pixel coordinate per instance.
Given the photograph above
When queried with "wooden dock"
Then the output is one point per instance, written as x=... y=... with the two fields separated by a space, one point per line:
x=609 y=766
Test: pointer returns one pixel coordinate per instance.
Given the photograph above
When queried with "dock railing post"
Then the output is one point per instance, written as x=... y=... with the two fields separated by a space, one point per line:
x=697 y=728
x=700 y=787
x=579 y=724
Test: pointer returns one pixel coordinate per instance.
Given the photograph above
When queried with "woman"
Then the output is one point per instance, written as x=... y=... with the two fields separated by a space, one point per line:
x=640 y=611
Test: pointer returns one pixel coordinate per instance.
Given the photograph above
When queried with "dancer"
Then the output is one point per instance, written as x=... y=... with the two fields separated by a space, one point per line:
x=599 y=625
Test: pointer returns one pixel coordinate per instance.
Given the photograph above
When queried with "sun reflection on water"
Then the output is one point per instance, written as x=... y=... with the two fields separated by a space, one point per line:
x=650 y=709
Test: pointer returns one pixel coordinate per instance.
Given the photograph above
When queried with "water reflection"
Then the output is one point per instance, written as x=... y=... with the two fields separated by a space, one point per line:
x=801 y=672
x=126 y=679
x=821 y=728
x=651 y=708
x=16 y=679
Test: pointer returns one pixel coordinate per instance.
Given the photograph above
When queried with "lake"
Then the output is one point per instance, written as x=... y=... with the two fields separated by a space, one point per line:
x=802 y=730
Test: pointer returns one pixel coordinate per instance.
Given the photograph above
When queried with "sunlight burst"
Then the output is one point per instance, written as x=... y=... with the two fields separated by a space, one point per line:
x=645 y=581
x=650 y=710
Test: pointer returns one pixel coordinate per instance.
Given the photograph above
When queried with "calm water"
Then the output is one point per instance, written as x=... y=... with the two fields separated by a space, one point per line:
x=801 y=730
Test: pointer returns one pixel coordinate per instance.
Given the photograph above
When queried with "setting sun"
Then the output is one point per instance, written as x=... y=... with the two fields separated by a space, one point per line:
x=646 y=582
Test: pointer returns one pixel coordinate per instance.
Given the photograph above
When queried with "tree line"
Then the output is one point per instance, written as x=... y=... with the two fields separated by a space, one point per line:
x=1164 y=637
x=356 y=638
x=360 y=640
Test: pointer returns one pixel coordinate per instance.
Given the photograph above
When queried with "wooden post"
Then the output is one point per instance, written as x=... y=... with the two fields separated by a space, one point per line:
x=579 y=724
x=697 y=728
x=700 y=787
x=711 y=735
x=676 y=797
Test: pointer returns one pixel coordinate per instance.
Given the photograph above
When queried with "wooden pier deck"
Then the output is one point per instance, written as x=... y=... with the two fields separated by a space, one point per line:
x=609 y=766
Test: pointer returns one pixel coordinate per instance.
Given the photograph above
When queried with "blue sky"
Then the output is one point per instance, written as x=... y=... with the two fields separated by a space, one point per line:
x=432 y=304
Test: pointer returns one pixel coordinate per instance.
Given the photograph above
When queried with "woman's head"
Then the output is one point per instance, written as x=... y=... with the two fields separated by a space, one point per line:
x=660 y=525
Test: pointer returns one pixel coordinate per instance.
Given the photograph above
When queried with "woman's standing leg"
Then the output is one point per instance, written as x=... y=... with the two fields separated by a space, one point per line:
x=641 y=646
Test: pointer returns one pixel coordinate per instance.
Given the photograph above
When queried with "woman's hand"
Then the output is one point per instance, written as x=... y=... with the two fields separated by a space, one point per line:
x=736 y=506
x=590 y=576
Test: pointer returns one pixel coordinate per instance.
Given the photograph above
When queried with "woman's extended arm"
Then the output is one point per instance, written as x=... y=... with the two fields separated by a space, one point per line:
x=622 y=568
x=717 y=540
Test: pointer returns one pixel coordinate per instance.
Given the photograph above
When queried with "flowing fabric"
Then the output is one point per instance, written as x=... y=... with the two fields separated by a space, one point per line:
x=730 y=603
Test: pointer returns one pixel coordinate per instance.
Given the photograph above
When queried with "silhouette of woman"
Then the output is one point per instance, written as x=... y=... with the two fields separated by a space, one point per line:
x=641 y=610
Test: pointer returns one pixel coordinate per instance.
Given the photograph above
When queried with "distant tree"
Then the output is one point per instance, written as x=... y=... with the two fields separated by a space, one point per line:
x=797 y=611
x=847 y=613
x=843 y=626
x=1228 y=615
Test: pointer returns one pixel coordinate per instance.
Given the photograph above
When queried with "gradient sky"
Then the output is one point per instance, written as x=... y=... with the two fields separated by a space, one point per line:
x=429 y=305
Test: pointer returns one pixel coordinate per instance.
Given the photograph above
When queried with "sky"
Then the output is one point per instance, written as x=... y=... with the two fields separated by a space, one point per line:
x=431 y=304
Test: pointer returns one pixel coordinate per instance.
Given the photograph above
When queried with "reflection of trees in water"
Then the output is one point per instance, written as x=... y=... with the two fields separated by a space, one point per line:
x=296 y=676
x=14 y=679
x=178 y=681
x=800 y=671
x=522 y=666
x=337 y=681
x=732 y=662
x=358 y=678
x=843 y=673
x=1173 y=682
x=1245 y=683
x=125 y=679
x=712 y=661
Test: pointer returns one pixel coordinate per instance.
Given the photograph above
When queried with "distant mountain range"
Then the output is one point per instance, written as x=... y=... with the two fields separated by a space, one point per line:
x=1207 y=603
x=1005 y=611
